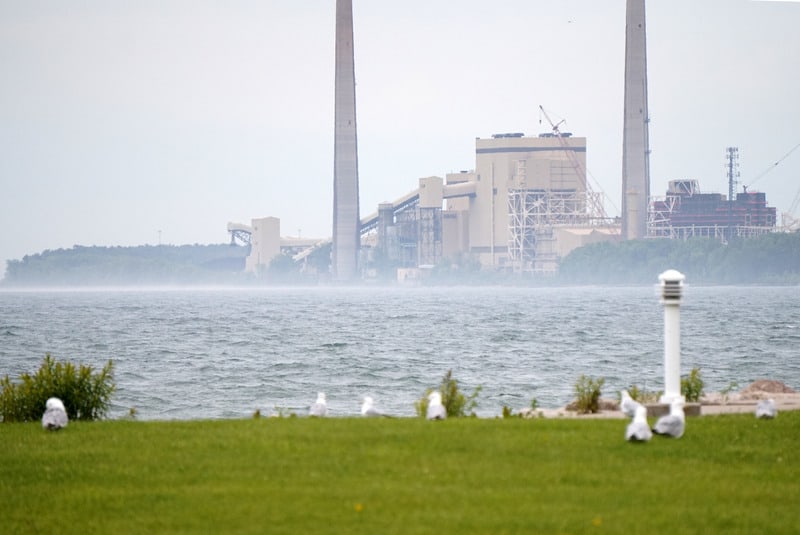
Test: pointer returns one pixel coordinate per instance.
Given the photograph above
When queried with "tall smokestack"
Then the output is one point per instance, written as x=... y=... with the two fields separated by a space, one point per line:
x=635 y=143
x=346 y=221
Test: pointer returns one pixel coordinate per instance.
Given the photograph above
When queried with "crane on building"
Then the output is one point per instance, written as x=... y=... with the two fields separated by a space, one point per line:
x=597 y=210
x=789 y=222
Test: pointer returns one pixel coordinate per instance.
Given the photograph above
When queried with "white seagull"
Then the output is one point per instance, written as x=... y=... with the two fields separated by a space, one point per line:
x=628 y=405
x=674 y=423
x=55 y=415
x=436 y=410
x=766 y=409
x=320 y=407
x=638 y=430
x=368 y=408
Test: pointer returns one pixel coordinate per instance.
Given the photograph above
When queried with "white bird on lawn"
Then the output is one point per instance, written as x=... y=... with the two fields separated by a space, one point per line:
x=368 y=408
x=436 y=410
x=674 y=423
x=638 y=430
x=55 y=415
x=628 y=405
x=320 y=407
x=766 y=409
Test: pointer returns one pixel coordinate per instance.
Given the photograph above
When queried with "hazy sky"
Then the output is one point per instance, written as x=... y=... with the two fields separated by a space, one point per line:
x=126 y=122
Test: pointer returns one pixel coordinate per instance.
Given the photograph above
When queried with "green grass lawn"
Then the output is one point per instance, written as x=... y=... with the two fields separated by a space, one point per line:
x=728 y=474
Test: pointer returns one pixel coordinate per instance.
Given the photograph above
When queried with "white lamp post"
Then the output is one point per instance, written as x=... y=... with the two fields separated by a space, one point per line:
x=671 y=290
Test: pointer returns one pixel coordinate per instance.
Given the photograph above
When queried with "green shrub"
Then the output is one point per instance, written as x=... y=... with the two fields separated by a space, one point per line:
x=86 y=395
x=588 y=392
x=692 y=386
x=456 y=404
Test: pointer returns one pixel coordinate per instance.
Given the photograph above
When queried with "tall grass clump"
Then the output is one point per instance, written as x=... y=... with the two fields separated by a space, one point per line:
x=86 y=395
x=692 y=386
x=456 y=403
x=587 y=391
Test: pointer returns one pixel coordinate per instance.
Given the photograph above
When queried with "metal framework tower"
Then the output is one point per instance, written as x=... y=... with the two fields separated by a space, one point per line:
x=521 y=223
x=635 y=142
x=429 y=231
x=732 y=170
x=532 y=214
x=346 y=223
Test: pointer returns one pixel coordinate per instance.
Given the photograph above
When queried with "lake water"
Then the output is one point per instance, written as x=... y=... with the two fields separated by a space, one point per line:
x=223 y=353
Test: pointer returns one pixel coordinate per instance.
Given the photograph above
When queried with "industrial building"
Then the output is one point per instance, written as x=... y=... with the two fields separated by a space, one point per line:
x=685 y=212
x=263 y=238
x=531 y=190
x=524 y=206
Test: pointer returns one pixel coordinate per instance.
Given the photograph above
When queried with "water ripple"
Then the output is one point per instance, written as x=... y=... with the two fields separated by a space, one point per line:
x=222 y=354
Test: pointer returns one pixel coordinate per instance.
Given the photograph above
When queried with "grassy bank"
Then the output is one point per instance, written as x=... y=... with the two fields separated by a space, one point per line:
x=728 y=473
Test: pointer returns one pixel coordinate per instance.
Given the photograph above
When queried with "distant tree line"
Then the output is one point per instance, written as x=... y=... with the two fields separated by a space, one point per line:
x=140 y=265
x=769 y=259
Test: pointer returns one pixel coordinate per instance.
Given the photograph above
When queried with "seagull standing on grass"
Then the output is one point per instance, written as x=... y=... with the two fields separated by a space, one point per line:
x=638 y=430
x=766 y=409
x=628 y=405
x=55 y=415
x=368 y=408
x=320 y=407
x=674 y=423
x=436 y=410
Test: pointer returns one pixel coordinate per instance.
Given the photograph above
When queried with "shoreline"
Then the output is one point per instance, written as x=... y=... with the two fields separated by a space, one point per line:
x=789 y=403
x=712 y=403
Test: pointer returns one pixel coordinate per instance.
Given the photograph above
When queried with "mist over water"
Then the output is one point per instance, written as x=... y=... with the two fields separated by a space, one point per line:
x=223 y=353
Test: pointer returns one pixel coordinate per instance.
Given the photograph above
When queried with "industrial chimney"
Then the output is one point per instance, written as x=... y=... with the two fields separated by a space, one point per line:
x=635 y=144
x=346 y=219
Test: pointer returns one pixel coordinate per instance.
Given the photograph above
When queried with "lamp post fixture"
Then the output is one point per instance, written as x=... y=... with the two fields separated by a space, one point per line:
x=671 y=290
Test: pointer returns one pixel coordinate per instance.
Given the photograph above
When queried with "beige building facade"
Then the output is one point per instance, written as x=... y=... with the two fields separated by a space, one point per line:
x=265 y=243
x=524 y=206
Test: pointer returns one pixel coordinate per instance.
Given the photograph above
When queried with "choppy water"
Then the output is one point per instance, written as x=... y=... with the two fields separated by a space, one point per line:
x=182 y=354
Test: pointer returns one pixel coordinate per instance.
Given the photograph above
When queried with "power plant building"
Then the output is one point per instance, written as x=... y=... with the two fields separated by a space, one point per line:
x=685 y=212
x=524 y=206
x=526 y=186
x=264 y=239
